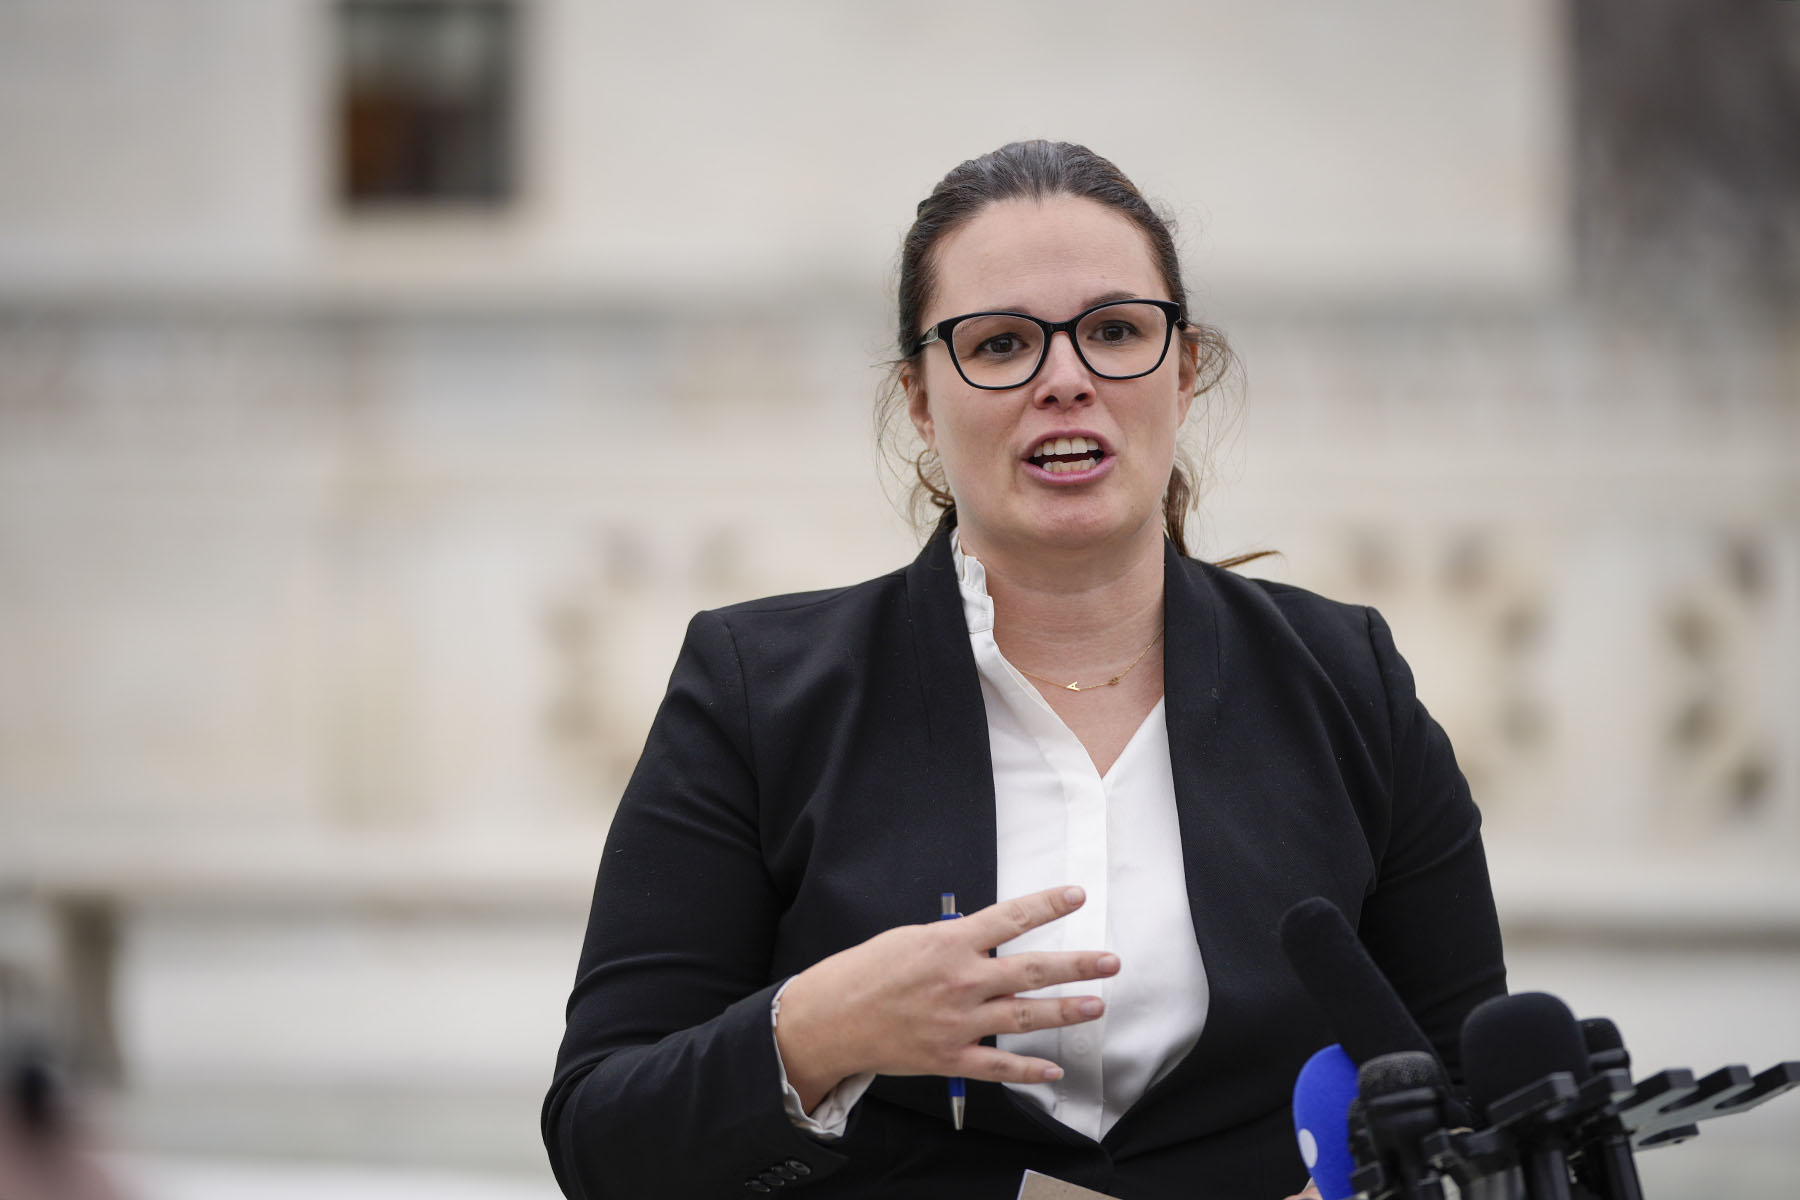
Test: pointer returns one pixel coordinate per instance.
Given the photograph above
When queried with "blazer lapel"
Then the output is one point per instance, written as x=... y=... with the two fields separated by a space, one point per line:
x=1191 y=680
x=956 y=800
x=956 y=796
x=1219 y=830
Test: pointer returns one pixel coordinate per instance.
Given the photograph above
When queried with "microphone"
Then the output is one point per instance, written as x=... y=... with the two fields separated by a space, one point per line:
x=1349 y=989
x=1524 y=1058
x=1605 y=1045
x=1604 y=1164
x=1405 y=1100
x=1323 y=1092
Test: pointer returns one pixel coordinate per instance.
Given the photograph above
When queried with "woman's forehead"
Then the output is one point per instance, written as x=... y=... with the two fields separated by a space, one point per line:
x=1061 y=252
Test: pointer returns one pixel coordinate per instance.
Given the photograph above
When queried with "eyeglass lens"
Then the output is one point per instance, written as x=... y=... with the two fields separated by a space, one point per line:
x=1117 y=341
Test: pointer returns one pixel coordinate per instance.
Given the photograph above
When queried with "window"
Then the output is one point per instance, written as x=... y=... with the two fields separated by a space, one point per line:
x=425 y=102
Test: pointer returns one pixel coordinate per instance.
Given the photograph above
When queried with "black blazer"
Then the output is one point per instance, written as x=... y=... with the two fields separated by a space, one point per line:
x=819 y=772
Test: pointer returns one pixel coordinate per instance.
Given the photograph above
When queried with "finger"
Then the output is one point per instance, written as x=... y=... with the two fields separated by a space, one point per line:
x=986 y=1062
x=1043 y=968
x=1002 y=922
x=1018 y=1014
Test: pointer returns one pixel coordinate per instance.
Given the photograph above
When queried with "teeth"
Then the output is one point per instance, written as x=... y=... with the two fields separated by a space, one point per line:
x=1058 y=467
x=1077 y=445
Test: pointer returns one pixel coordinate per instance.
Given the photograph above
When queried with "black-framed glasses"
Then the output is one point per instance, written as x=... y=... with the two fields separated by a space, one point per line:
x=995 y=351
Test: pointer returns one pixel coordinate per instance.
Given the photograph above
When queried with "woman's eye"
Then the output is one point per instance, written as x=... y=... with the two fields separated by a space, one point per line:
x=1115 y=331
x=999 y=345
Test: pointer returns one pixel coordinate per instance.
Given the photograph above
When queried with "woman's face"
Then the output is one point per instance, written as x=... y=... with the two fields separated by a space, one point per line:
x=1050 y=259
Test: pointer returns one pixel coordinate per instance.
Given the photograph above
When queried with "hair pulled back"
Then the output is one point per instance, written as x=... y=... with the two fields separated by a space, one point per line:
x=1038 y=170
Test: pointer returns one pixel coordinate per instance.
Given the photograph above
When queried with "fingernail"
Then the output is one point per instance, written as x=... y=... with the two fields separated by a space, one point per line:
x=1108 y=963
x=1052 y=1072
x=1091 y=1007
x=1074 y=895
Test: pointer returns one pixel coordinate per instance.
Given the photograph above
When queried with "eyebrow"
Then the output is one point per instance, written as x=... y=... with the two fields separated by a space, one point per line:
x=1090 y=302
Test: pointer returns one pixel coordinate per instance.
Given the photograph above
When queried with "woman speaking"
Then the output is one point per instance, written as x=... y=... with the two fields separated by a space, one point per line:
x=1123 y=763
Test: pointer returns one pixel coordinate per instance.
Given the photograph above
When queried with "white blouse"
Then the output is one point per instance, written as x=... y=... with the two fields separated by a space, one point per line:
x=1059 y=821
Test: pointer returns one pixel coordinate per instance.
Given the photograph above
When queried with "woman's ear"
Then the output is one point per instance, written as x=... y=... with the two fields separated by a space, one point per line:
x=918 y=406
x=1187 y=376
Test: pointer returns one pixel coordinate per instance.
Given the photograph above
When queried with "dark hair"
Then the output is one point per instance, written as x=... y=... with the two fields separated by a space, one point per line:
x=1038 y=170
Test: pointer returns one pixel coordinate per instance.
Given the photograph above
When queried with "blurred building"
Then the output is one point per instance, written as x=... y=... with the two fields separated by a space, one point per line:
x=383 y=383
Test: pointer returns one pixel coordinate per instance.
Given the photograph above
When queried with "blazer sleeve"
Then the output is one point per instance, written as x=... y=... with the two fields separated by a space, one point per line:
x=1429 y=920
x=667 y=1081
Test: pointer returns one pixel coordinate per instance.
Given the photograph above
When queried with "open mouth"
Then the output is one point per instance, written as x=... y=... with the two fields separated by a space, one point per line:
x=1061 y=456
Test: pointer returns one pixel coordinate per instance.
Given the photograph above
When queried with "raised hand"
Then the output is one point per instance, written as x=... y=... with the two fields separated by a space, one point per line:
x=918 y=999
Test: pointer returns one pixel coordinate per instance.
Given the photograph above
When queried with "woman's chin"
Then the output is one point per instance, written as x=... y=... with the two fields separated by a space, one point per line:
x=1073 y=527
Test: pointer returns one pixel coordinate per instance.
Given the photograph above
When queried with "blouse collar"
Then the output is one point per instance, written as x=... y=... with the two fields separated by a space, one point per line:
x=971 y=579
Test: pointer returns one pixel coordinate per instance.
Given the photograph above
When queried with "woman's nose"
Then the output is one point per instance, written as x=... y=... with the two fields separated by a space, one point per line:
x=1064 y=379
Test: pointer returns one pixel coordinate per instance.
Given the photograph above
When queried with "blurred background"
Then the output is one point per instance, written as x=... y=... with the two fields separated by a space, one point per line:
x=383 y=384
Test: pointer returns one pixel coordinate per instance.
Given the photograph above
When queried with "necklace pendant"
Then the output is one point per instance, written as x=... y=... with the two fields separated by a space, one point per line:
x=1071 y=687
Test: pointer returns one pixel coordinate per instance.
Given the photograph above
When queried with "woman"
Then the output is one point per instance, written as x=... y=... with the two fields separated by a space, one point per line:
x=1145 y=759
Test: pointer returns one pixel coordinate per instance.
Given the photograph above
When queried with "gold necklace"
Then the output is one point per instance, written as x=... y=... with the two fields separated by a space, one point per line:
x=1075 y=687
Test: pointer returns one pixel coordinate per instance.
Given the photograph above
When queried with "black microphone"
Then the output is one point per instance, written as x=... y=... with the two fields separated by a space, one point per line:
x=1404 y=1099
x=1363 y=1009
x=1603 y=1163
x=1605 y=1045
x=1524 y=1059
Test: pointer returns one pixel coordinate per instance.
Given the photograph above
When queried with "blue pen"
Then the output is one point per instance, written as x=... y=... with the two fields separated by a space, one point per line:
x=947 y=912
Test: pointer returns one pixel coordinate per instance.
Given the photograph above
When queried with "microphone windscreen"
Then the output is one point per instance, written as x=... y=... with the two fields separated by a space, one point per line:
x=1401 y=1072
x=1367 y=1015
x=1510 y=1042
x=1322 y=1094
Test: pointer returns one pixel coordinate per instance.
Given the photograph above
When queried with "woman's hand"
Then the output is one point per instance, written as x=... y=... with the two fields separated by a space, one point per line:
x=917 y=1000
x=1310 y=1192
